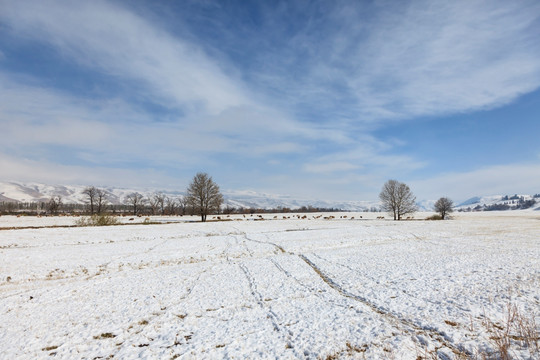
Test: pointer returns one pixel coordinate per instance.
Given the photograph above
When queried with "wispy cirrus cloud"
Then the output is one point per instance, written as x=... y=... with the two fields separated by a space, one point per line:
x=115 y=131
x=119 y=43
x=23 y=169
x=299 y=86
x=218 y=111
x=390 y=60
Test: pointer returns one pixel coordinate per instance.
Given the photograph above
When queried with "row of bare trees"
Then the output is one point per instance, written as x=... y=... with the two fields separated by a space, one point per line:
x=156 y=204
x=203 y=197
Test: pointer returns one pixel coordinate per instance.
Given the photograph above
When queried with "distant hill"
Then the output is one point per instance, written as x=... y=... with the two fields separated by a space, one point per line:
x=501 y=202
x=35 y=192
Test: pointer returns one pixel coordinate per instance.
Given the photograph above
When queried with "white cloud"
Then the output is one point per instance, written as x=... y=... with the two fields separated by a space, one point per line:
x=120 y=43
x=38 y=170
x=492 y=180
x=330 y=167
x=422 y=58
x=402 y=61
x=111 y=132
x=368 y=154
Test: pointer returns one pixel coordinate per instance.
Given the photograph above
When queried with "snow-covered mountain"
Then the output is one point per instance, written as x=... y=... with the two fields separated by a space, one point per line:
x=252 y=199
x=501 y=202
x=34 y=192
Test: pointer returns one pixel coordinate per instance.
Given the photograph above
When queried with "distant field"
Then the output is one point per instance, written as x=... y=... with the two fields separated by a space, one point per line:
x=279 y=288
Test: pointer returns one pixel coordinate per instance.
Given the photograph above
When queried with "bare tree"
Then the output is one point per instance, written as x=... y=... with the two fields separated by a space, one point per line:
x=444 y=206
x=170 y=206
x=182 y=205
x=397 y=199
x=101 y=200
x=136 y=200
x=153 y=204
x=54 y=205
x=203 y=195
x=157 y=202
x=159 y=199
x=91 y=192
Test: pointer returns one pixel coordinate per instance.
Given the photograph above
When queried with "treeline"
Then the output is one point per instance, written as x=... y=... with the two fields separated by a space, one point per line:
x=516 y=198
x=57 y=207
x=519 y=204
x=253 y=210
x=202 y=198
x=60 y=208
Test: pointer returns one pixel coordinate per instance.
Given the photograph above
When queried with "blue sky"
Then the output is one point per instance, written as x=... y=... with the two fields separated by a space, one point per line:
x=314 y=99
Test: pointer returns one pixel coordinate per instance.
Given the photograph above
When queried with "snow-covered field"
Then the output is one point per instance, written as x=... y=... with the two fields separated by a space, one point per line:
x=279 y=288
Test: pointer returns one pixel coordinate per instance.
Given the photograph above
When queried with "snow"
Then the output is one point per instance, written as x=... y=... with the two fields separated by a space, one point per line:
x=278 y=288
x=497 y=200
x=73 y=194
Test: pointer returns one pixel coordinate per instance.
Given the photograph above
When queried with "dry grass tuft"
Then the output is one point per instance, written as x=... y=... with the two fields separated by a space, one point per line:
x=97 y=220
x=517 y=330
x=49 y=348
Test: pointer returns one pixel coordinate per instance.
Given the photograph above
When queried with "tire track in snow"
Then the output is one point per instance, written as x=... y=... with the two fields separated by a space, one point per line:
x=400 y=322
x=244 y=245
x=314 y=291
x=377 y=283
x=271 y=315
x=281 y=250
x=129 y=336
x=276 y=246
x=154 y=317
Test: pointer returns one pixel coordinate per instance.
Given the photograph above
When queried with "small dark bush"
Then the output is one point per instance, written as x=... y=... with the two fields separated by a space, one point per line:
x=434 y=217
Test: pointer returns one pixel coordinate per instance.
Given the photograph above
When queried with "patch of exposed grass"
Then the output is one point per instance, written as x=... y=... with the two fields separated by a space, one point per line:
x=350 y=351
x=98 y=220
x=516 y=329
x=507 y=337
x=49 y=348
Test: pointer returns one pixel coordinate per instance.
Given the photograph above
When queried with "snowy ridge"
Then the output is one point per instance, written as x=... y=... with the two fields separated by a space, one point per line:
x=252 y=199
x=500 y=202
x=35 y=192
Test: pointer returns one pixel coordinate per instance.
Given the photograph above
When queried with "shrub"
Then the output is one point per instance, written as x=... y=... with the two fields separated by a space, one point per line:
x=97 y=220
x=434 y=217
